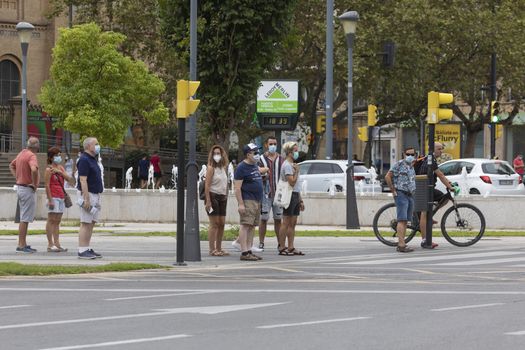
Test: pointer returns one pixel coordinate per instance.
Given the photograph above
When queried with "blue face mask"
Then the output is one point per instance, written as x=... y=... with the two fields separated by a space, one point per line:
x=409 y=159
x=57 y=159
x=295 y=155
x=97 y=149
x=272 y=148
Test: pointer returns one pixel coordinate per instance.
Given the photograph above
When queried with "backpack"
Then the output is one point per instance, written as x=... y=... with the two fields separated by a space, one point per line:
x=421 y=166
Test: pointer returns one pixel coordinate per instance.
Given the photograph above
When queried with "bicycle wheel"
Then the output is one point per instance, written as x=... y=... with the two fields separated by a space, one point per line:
x=463 y=225
x=385 y=225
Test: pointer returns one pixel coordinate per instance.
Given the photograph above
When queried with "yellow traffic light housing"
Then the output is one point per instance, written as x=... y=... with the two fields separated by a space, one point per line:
x=499 y=130
x=363 y=133
x=186 y=105
x=435 y=100
x=494 y=112
x=372 y=115
x=321 y=124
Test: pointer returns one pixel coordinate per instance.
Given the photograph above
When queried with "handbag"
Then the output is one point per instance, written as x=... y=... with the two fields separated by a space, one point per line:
x=202 y=194
x=67 y=200
x=283 y=194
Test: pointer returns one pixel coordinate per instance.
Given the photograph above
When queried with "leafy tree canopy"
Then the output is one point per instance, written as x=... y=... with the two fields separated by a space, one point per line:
x=94 y=90
x=237 y=43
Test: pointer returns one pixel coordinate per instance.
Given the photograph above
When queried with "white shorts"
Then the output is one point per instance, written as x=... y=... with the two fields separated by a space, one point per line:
x=59 y=206
x=86 y=216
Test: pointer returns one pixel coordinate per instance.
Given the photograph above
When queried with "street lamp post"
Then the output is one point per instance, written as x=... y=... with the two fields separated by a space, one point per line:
x=349 y=21
x=24 y=30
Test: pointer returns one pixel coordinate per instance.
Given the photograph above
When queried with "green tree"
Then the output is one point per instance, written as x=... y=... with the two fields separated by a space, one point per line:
x=237 y=43
x=94 y=90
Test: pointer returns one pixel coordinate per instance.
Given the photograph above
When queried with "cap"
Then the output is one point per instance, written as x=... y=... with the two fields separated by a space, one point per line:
x=249 y=148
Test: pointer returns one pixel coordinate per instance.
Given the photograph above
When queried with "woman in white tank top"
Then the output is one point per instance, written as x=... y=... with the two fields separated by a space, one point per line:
x=216 y=191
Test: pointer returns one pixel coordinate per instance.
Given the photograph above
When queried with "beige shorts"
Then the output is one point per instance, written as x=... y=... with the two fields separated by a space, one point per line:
x=89 y=217
x=252 y=214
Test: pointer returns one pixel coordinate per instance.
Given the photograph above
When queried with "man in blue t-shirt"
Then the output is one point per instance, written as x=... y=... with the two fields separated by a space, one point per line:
x=89 y=189
x=249 y=193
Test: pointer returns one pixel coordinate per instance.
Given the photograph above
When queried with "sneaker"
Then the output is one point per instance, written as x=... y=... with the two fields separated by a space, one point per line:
x=256 y=249
x=424 y=246
x=87 y=255
x=236 y=245
x=26 y=250
x=261 y=246
x=97 y=255
x=256 y=256
x=248 y=257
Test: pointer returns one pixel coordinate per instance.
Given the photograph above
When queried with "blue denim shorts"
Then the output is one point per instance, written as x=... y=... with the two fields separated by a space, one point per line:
x=404 y=206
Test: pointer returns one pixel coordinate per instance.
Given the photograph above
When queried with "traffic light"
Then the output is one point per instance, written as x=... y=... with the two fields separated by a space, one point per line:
x=186 y=105
x=434 y=113
x=363 y=133
x=389 y=51
x=494 y=112
x=372 y=115
x=499 y=130
x=321 y=124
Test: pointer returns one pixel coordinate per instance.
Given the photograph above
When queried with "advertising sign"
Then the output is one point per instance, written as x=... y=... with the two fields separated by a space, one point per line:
x=450 y=136
x=278 y=97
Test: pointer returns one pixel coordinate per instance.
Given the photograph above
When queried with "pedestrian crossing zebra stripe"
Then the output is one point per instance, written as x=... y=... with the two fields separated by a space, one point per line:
x=482 y=262
x=430 y=258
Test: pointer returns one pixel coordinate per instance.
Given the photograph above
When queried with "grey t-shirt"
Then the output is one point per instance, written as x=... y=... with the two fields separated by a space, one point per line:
x=287 y=169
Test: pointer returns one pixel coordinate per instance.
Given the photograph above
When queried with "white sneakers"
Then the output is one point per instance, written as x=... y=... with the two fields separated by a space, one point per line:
x=255 y=249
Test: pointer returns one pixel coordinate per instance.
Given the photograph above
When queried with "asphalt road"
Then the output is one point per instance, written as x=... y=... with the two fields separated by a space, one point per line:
x=346 y=293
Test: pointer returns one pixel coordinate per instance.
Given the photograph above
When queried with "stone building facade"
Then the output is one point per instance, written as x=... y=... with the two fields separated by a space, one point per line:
x=40 y=47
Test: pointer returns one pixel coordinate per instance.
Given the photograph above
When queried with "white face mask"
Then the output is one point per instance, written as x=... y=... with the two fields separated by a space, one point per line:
x=257 y=157
x=217 y=158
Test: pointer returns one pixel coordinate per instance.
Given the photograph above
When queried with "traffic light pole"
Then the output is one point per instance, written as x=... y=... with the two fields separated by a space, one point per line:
x=370 y=145
x=493 y=97
x=329 y=77
x=192 y=249
x=181 y=140
x=430 y=184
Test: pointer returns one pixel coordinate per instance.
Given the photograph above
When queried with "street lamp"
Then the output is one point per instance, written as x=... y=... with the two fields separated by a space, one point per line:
x=349 y=21
x=24 y=30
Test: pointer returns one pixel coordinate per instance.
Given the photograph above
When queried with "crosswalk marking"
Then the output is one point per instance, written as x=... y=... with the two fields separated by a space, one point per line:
x=426 y=258
x=481 y=262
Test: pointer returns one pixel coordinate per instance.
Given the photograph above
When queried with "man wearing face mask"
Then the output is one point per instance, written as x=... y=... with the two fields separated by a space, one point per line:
x=271 y=161
x=249 y=193
x=402 y=182
x=89 y=189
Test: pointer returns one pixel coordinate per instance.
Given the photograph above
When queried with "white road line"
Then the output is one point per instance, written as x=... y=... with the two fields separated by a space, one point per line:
x=481 y=262
x=14 y=306
x=157 y=296
x=206 y=310
x=121 y=342
x=312 y=322
x=251 y=291
x=516 y=333
x=430 y=258
x=466 y=307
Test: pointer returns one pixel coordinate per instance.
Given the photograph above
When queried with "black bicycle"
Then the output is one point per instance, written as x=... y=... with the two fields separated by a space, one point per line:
x=462 y=224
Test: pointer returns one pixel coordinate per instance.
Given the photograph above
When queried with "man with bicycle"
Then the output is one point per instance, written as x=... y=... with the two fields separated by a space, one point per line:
x=438 y=195
x=402 y=182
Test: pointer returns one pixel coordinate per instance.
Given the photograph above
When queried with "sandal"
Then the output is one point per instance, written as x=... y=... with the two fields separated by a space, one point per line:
x=294 y=251
x=61 y=250
x=404 y=249
x=284 y=252
x=224 y=253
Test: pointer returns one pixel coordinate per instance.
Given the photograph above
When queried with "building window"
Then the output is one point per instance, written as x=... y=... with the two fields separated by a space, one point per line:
x=9 y=81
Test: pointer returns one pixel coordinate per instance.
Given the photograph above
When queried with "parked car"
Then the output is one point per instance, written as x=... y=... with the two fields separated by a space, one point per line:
x=482 y=176
x=321 y=174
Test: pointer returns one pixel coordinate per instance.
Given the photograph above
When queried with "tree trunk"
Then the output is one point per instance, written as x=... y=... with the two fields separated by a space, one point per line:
x=470 y=143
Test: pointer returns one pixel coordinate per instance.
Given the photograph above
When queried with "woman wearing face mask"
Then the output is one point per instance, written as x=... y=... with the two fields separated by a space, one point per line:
x=216 y=191
x=55 y=178
x=290 y=173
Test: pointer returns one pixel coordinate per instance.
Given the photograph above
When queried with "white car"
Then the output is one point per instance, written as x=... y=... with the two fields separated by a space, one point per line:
x=482 y=176
x=320 y=175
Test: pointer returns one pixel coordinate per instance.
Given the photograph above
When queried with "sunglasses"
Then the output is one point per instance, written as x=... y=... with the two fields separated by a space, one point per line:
x=410 y=154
